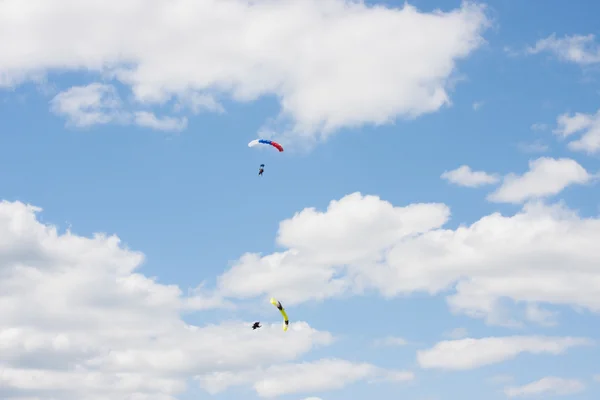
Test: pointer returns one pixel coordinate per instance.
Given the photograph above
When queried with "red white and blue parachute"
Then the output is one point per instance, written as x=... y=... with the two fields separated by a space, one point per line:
x=265 y=141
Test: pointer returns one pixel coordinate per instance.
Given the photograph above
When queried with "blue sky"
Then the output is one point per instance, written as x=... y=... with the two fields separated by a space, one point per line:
x=185 y=192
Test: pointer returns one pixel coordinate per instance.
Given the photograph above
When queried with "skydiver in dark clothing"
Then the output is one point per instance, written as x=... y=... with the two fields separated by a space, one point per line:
x=261 y=170
x=256 y=325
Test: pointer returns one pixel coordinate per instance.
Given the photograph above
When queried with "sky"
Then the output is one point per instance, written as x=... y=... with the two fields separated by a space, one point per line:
x=432 y=227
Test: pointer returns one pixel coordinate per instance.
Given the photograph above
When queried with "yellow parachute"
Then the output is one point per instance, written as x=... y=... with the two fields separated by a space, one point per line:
x=286 y=321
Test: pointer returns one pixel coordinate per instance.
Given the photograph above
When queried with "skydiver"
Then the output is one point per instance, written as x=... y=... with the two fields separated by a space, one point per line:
x=256 y=325
x=261 y=170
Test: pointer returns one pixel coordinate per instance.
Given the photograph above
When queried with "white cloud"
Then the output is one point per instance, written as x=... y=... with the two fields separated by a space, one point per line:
x=149 y=120
x=97 y=103
x=332 y=63
x=510 y=52
x=548 y=386
x=89 y=105
x=78 y=321
x=355 y=230
x=534 y=147
x=279 y=380
x=542 y=254
x=534 y=313
x=464 y=176
x=586 y=124
x=570 y=124
x=539 y=127
x=546 y=177
x=198 y=102
x=391 y=341
x=457 y=333
x=477 y=105
x=579 y=49
x=465 y=354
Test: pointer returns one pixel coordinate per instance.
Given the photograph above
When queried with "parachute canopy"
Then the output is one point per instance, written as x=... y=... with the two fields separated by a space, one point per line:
x=265 y=141
x=286 y=321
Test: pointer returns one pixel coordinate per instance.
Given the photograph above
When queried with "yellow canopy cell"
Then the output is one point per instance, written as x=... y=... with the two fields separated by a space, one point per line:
x=286 y=321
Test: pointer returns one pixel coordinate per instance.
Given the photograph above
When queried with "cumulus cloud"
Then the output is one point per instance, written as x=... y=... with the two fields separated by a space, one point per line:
x=538 y=127
x=542 y=254
x=89 y=105
x=588 y=125
x=390 y=341
x=97 y=103
x=464 y=176
x=331 y=63
x=198 y=102
x=149 y=120
x=536 y=146
x=548 y=386
x=536 y=314
x=546 y=177
x=579 y=49
x=279 y=380
x=78 y=321
x=355 y=230
x=457 y=333
x=464 y=354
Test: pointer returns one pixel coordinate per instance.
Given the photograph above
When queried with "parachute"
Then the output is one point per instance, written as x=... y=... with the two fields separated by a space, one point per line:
x=286 y=321
x=264 y=141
